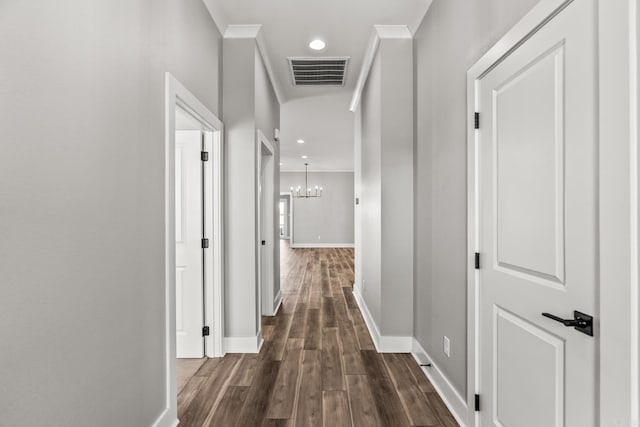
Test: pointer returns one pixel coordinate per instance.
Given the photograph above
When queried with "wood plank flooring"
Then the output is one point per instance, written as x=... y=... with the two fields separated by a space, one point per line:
x=318 y=365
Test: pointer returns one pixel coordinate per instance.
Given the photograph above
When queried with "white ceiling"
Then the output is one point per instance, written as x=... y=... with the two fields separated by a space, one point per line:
x=326 y=126
x=289 y=25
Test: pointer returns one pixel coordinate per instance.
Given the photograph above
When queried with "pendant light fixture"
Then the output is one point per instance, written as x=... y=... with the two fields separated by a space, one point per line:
x=300 y=193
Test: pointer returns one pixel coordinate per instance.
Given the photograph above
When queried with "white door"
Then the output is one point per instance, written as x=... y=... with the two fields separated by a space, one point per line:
x=189 y=254
x=538 y=226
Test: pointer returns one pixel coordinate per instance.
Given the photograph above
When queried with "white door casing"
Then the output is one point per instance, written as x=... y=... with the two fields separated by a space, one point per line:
x=266 y=225
x=537 y=229
x=178 y=96
x=189 y=259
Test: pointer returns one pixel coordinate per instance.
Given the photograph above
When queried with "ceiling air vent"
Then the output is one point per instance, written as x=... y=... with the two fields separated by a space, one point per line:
x=318 y=71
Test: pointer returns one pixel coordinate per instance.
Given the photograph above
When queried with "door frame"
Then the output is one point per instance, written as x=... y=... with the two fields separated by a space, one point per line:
x=177 y=94
x=266 y=288
x=618 y=300
x=290 y=194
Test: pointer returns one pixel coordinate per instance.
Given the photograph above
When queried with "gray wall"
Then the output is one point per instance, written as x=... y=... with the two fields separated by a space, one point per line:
x=249 y=104
x=386 y=188
x=240 y=177
x=82 y=202
x=329 y=216
x=453 y=36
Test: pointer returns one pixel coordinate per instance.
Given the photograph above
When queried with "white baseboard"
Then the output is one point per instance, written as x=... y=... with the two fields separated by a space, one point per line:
x=166 y=419
x=383 y=343
x=321 y=245
x=450 y=396
x=243 y=344
x=278 y=302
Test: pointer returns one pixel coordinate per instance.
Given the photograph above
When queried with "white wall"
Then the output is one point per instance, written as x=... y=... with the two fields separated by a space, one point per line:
x=82 y=202
x=452 y=37
x=386 y=188
x=330 y=217
x=249 y=105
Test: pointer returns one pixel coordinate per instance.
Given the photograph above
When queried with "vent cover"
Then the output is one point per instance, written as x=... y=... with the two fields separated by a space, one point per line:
x=318 y=71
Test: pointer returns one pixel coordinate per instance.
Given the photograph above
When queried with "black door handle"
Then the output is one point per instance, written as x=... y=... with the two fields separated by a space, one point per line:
x=264 y=242
x=581 y=322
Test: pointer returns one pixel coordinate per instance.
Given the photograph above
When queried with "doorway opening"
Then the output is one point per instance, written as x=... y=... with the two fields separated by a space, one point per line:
x=267 y=222
x=193 y=238
x=285 y=212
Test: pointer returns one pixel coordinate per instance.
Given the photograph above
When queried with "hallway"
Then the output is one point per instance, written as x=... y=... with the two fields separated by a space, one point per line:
x=318 y=364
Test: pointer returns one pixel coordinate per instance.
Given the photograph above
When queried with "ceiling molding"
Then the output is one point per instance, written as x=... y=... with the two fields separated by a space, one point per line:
x=379 y=32
x=251 y=31
x=275 y=83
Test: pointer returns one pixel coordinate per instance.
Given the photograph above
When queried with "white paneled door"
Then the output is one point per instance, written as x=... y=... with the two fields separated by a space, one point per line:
x=189 y=255
x=538 y=227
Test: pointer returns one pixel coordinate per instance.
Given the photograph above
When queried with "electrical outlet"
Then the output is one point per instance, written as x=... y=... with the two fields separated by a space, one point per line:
x=318 y=237
x=447 y=346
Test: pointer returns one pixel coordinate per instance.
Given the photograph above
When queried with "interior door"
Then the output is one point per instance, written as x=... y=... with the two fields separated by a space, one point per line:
x=189 y=255
x=538 y=227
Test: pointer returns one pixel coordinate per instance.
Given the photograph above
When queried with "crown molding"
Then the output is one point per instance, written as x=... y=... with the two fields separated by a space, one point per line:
x=253 y=31
x=242 y=31
x=380 y=32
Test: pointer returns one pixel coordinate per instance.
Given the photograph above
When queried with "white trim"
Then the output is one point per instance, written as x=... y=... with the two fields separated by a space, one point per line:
x=165 y=420
x=448 y=393
x=383 y=343
x=176 y=94
x=379 y=32
x=242 y=31
x=321 y=245
x=618 y=169
x=243 y=344
x=277 y=302
x=236 y=31
x=268 y=188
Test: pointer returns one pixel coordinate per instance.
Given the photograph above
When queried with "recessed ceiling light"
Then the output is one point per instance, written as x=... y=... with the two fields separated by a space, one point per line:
x=317 y=44
x=300 y=141
x=305 y=157
x=281 y=164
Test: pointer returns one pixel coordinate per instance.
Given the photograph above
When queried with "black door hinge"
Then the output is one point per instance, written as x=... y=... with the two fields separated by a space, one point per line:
x=204 y=156
x=205 y=331
x=477 y=120
x=205 y=243
x=477 y=403
x=477 y=261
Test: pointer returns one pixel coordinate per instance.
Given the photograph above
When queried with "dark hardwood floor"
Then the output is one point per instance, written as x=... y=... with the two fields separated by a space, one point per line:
x=318 y=365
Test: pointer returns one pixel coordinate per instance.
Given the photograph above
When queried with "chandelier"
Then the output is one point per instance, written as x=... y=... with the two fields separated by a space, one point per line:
x=302 y=194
